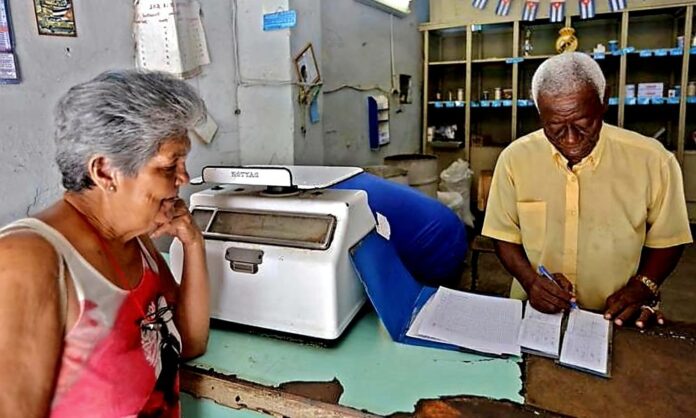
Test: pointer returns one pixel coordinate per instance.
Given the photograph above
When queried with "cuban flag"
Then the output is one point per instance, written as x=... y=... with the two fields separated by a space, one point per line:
x=480 y=4
x=557 y=11
x=530 y=9
x=617 y=5
x=503 y=8
x=587 y=9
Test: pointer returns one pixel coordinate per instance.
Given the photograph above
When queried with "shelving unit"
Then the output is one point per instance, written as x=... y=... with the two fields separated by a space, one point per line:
x=480 y=52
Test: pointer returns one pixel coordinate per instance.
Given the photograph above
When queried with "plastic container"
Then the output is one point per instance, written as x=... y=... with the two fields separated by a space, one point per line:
x=392 y=173
x=422 y=170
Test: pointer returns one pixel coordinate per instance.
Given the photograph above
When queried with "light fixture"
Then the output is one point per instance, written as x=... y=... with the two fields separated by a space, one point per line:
x=398 y=8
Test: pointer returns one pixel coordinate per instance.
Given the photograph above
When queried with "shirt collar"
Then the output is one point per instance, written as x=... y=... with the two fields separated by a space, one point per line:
x=591 y=160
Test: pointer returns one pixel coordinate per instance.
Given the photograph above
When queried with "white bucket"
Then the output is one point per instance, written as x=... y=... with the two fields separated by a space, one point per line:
x=422 y=170
x=392 y=173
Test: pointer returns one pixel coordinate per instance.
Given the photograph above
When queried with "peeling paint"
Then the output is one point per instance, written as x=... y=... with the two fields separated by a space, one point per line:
x=377 y=374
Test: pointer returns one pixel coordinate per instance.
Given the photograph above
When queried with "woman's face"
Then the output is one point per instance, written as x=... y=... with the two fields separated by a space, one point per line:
x=148 y=198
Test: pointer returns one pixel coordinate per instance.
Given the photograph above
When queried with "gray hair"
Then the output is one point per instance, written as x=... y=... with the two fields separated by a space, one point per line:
x=568 y=73
x=124 y=115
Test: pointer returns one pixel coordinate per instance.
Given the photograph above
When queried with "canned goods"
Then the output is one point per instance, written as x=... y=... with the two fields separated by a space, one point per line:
x=498 y=95
x=630 y=90
x=691 y=88
x=460 y=95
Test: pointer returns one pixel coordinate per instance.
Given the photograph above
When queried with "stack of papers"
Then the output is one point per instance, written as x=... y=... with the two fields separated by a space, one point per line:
x=479 y=323
x=495 y=326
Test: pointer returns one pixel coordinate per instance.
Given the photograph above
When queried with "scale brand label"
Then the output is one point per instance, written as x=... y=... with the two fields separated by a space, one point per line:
x=244 y=174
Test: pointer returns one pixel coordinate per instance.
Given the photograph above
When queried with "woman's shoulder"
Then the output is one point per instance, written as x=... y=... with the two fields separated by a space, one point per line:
x=32 y=242
x=25 y=253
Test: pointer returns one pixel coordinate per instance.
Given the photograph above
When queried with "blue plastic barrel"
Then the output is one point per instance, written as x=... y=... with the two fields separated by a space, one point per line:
x=428 y=236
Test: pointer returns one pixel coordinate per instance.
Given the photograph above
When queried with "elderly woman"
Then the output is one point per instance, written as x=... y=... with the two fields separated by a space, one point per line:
x=93 y=323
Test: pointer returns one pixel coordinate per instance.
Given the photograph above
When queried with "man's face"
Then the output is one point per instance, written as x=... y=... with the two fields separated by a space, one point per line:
x=572 y=122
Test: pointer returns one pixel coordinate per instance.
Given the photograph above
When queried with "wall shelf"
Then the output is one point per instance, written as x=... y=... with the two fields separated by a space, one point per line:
x=456 y=62
x=493 y=58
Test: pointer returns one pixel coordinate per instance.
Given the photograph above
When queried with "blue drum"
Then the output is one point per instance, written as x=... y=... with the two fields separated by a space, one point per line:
x=428 y=236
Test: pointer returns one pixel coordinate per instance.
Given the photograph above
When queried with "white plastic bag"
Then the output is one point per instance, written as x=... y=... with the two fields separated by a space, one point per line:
x=452 y=200
x=457 y=178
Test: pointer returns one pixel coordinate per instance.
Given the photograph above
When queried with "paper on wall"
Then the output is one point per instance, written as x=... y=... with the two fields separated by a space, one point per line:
x=205 y=130
x=169 y=37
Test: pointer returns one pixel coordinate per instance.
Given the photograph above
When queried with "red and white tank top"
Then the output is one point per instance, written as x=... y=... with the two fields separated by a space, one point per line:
x=115 y=362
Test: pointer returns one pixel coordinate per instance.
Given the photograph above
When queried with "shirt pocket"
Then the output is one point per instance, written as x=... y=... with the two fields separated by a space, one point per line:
x=532 y=217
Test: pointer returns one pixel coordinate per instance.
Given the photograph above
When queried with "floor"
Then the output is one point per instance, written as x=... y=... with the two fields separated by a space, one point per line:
x=678 y=292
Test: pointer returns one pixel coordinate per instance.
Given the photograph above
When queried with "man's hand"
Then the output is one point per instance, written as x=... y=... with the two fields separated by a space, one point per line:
x=180 y=225
x=632 y=301
x=548 y=297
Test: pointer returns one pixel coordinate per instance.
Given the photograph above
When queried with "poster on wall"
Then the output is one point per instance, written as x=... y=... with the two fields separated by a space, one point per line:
x=169 y=37
x=306 y=66
x=55 y=17
x=8 y=59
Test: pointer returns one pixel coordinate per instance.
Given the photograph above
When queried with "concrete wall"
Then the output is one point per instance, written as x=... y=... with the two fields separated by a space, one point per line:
x=356 y=53
x=50 y=65
x=308 y=136
x=265 y=97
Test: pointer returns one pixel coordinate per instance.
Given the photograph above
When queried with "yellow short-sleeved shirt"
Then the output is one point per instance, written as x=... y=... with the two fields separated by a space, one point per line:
x=589 y=223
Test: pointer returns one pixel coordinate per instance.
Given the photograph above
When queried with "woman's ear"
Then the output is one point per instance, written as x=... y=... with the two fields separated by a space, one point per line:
x=102 y=173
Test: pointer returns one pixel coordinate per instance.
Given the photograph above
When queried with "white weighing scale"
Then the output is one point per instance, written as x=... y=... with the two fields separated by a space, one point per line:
x=277 y=246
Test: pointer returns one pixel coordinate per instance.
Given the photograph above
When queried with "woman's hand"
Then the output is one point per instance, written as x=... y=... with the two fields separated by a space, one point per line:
x=180 y=224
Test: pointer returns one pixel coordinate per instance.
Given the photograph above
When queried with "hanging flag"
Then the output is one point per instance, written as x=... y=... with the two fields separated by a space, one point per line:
x=503 y=8
x=617 y=5
x=557 y=11
x=530 y=9
x=480 y=4
x=587 y=9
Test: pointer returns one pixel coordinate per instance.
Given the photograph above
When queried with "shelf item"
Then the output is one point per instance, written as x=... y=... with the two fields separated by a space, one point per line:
x=378 y=120
x=447 y=104
x=447 y=144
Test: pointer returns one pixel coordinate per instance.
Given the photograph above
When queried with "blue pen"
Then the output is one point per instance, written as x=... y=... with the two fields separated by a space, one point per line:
x=542 y=270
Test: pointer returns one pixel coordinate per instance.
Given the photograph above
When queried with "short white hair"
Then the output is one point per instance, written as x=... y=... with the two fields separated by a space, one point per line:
x=568 y=73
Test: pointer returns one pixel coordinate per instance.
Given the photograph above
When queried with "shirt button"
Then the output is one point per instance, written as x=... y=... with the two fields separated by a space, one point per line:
x=573 y=212
x=573 y=179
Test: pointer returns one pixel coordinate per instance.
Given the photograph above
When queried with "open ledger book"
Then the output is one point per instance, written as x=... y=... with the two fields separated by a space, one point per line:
x=495 y=325
x=447 y=319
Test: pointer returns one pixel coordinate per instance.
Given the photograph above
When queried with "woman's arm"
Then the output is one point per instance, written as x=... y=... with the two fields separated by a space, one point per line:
x=193 y=307
x=31 y=325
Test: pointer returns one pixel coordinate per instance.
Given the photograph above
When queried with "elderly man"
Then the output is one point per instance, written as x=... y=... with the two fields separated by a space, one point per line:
x=602 y=208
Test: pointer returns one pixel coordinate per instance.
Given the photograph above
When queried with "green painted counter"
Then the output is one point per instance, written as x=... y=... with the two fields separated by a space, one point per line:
x=377 y=374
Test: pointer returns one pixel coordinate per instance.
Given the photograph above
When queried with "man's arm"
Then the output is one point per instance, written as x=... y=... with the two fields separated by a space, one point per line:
x=655 y=264
x=667 y=232
x=544 y=295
